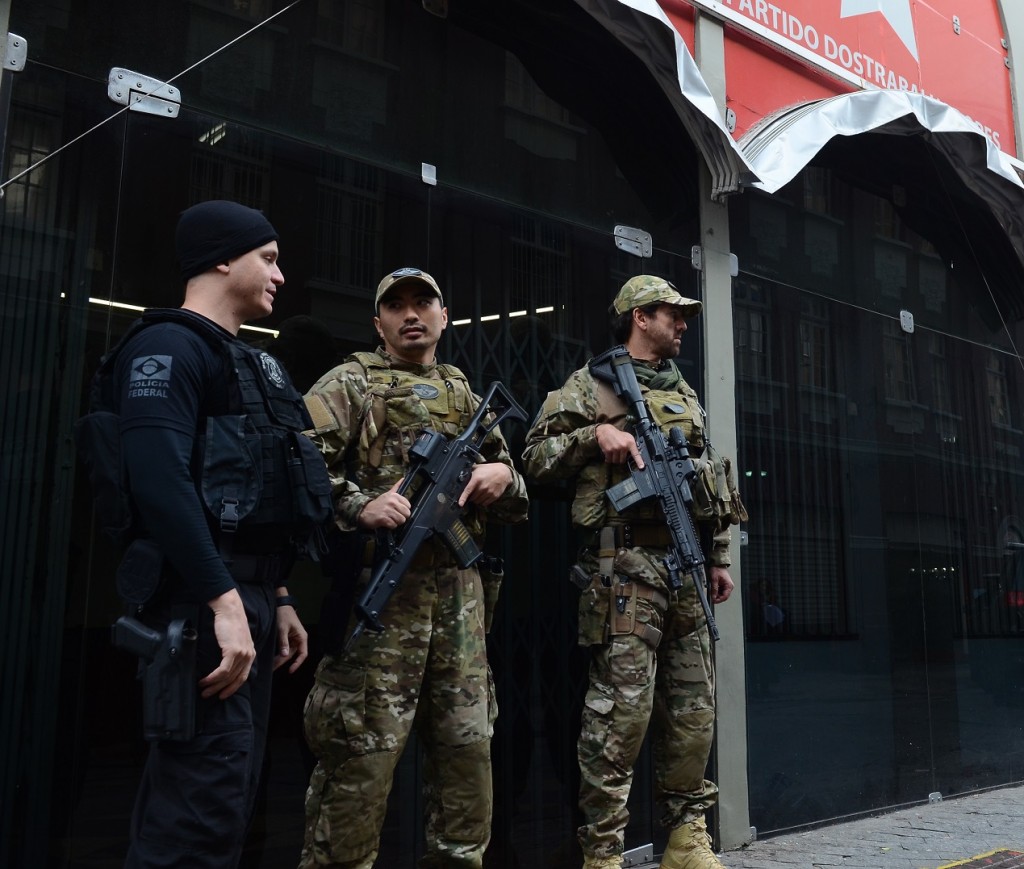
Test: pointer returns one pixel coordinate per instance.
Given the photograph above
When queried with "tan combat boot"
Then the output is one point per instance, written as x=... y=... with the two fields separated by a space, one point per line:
x=614 y=862
x=689 y=847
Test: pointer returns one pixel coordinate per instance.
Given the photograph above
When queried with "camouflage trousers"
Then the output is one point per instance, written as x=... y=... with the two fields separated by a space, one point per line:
x=633 y=686
x=427 y=670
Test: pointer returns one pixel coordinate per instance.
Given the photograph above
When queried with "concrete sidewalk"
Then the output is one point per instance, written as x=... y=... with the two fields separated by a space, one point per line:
x=947 y=833
x=923 y=837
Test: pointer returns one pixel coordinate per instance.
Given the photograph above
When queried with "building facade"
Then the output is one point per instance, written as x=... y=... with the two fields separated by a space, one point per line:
x=844 y=198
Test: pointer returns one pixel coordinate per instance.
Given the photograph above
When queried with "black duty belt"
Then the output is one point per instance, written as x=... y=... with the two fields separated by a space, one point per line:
x=256 y=568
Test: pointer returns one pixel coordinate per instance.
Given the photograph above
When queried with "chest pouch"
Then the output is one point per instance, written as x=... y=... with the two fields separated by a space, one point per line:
x=672 y=409
x=681 y=410
x=232 y=473
x=395 y=416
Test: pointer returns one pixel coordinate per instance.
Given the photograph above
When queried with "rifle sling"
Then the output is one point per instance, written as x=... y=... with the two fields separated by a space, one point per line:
x=606 y=552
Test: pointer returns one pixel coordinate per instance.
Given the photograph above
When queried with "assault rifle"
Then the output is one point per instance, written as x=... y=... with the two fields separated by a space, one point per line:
x=666 y=475
x=167 y=668
x=438 y=475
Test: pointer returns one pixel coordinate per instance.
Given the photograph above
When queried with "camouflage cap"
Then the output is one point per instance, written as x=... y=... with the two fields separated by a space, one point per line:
x=402 y=276
x=650 y=290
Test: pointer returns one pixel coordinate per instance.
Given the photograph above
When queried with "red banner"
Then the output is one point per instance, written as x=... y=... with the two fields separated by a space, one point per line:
x=945 y=49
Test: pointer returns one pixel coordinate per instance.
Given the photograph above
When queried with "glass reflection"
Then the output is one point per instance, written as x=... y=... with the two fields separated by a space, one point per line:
x=882 y=473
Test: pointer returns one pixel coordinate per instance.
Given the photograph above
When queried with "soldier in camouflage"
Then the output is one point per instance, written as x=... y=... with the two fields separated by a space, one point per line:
x=650 y=648
x=428 y=669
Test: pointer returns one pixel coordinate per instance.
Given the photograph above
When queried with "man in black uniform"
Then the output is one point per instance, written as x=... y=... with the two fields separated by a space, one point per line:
x=224 y=487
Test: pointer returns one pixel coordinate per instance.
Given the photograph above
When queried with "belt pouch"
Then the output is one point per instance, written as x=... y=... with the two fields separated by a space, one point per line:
x=138 y=575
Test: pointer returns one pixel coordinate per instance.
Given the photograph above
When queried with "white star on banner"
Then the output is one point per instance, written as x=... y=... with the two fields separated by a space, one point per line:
x=896 y=12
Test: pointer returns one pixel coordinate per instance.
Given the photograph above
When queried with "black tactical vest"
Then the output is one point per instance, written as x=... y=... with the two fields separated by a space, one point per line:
x=253 y=467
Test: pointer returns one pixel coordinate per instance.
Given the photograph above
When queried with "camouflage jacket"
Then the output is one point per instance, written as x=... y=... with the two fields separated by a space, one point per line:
x=562 y=444
x=368 y=411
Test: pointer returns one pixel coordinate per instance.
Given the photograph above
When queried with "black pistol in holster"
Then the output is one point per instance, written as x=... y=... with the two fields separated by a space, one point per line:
x=167 y=670
x=666 y=475
x=439 y=472
x=579 y=577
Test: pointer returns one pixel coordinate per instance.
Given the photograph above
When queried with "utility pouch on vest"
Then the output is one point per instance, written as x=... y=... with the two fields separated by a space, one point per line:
x=167 y=669
x=492 y=571
x=231 y=480
x=714 y=488
x=310 y=484
x=138 y=575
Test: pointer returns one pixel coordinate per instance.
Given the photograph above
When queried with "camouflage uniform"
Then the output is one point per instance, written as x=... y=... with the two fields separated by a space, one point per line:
x=636 y=676
x=368 y=411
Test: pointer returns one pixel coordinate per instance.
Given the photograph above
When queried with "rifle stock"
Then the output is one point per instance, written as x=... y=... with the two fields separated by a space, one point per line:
x=438 y=475
x=666 y=475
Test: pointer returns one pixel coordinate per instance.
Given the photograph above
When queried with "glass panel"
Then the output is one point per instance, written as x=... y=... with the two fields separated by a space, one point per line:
x=87 y=239
x=383 y=80
x=50 y=263
x=881 y=470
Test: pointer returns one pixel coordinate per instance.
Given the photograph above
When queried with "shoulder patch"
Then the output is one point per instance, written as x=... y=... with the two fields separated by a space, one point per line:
x=320 y=413
x=151 y=368
x=272 y=370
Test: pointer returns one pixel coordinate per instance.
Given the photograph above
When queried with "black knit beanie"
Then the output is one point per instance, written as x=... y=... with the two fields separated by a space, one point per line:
x=216 y=231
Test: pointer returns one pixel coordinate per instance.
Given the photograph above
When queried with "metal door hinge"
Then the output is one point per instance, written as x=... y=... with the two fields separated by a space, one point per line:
x=15 y=53
x=142 y=93
x=634 y=241
x=697 y=260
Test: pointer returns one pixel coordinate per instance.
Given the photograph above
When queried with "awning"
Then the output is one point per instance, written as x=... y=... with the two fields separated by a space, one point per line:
x=781 y=145
x=643 y=27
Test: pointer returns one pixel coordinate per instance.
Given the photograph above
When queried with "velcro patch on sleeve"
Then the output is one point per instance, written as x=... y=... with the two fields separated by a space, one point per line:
x=320 y=413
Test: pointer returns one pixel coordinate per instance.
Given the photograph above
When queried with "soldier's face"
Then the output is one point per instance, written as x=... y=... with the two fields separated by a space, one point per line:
x=665 y=331
x=410 y=322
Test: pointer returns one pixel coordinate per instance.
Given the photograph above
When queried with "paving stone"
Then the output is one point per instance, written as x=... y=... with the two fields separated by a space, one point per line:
x=951 y=832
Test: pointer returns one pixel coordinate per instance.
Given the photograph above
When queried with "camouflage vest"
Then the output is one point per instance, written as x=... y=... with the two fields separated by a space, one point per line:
x=397 y=407
x=714 y=489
